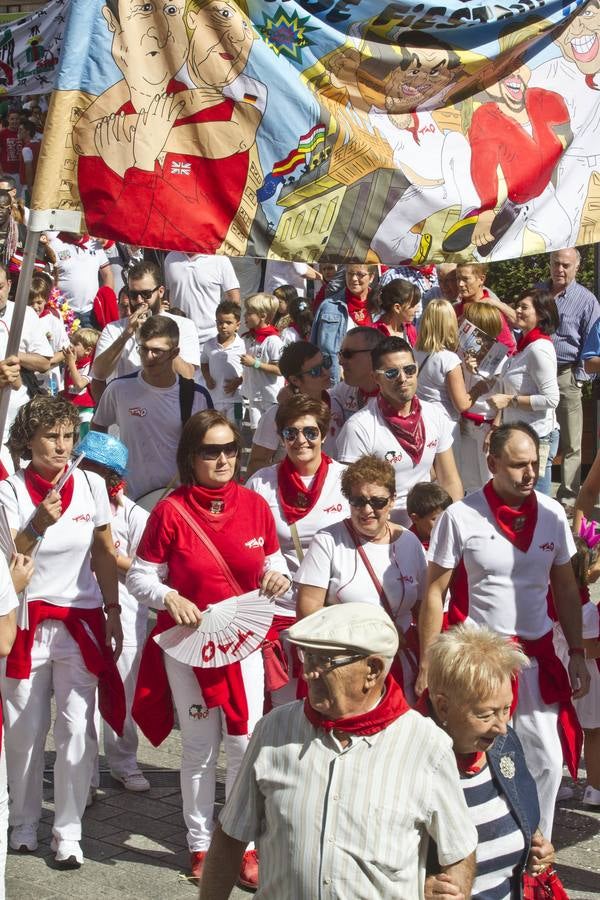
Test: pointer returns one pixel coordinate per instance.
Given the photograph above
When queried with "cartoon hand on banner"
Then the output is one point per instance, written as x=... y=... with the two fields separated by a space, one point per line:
x=152 y=128
x=114 y=143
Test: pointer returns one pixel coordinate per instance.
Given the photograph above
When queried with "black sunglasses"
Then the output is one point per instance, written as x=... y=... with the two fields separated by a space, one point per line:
x=326 y=364
x=348 y=354
x=290 y=433
x=373 y=502
x=145 y=294
x=214 y=451
x=392 y=374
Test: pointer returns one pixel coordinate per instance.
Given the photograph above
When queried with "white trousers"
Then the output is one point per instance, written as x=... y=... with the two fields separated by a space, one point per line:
x=56 y=666
x=201 y=732
x=471 y=459
x=536 y=724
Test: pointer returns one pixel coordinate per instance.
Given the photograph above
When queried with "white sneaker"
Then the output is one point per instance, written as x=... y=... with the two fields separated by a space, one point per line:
x=134 y=782
x=90 y=797
x=591 y=796
x=23 y=838
x=565 y=792
x=68 y=853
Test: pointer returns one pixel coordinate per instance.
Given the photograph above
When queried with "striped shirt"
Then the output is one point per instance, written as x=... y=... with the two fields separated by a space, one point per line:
x=578 y=310
x=500 y=840
x=335 y=823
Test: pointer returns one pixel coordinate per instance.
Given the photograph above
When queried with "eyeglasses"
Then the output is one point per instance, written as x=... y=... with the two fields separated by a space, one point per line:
x=310 y=432
x=311 y=660
x=145 y=294
x=326 y=364
x=392 y=374
x=360 y=275
x=154 y=351
x=214 y=451
x=348 y=354
x=373 y=502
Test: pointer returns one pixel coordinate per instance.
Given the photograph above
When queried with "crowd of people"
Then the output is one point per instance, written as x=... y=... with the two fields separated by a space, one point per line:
x=372 y=459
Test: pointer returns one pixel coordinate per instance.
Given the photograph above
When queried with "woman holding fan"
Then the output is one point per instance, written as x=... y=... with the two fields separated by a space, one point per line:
x=303 y=492
x=211 y=539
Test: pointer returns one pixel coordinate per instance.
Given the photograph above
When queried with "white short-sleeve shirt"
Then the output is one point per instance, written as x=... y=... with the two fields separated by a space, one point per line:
x=431 y=381
x=8 y=597
x=262 y=387
x=78 y=269
x=33 y=340
x=196 y=283
x=127 y=526
x=63 y=572
x=507 y=587
x=366 y=432
x=224 y=363
x=129 y=360
x=333 y=563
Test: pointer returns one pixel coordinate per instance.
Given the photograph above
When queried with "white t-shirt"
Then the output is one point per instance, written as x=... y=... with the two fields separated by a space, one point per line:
x=77 y=270
x=266 y=432
x=507 y=588
x=532 y=373
x=196 y=283
x=129 y=360
x=224 y=363
x=431 y=381
x=330 y=507
x=55 y=331
x=8 y=597
x=127 y=526
x=289 y=336
x=278 y=273
x=149 y=421
x=367 y=432
x=345 y=401
x=63 y=573
x=260 y=387
x=333 y=562
x=33 y=340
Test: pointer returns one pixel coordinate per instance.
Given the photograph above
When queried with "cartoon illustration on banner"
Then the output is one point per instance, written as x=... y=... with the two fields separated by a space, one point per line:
x=331 y=130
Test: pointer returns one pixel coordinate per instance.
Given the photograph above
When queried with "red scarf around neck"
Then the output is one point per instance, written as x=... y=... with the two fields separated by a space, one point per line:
x=261 y=333
x=392 y=706
x=214 y=505
x=296 y=500
x=358 y=309
x=470 y=763
x=76 y=239
x=534 y=335
x=517 y=524
x=408 y=430
x=38 y=488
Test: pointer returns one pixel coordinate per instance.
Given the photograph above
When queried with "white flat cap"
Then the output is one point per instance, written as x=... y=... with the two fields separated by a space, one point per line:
x=347 y=626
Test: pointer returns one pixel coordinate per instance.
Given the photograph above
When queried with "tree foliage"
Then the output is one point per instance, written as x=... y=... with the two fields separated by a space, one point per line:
x=510 y=278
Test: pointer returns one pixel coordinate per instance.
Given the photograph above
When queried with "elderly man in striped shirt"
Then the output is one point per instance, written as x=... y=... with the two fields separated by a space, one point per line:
x=343 y=792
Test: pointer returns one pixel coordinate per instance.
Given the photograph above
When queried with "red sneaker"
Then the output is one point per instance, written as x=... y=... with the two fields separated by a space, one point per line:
x=197 y=858
x=249 y=870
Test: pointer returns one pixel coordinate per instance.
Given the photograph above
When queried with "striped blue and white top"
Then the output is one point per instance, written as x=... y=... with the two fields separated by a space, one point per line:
x=500 y=840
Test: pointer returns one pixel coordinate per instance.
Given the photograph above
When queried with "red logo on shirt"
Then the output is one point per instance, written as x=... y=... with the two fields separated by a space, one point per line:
x=137 y=411
x=82 y=518
x=549 y=545
x=392 y=456
x=337 y=507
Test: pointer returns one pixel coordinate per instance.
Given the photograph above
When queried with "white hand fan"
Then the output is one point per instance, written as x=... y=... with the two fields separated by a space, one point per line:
x=229 y=631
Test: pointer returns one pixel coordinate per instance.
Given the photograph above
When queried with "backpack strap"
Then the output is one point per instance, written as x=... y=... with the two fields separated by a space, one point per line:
x=187 y=387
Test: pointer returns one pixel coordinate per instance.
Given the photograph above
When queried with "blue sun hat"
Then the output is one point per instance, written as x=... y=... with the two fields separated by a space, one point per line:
x=104 y=449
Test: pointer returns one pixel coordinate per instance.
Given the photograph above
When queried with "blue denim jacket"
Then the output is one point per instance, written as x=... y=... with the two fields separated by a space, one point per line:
x=330 y=327
x=519 y=791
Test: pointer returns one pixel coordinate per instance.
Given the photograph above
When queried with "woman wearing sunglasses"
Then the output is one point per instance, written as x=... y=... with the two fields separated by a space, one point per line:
x=308 y=372
x=178 y=574
x=368 y=558
x=303 y=491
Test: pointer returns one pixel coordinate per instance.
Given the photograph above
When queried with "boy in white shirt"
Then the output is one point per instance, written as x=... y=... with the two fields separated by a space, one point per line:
x=262 y=378
x=220 y=362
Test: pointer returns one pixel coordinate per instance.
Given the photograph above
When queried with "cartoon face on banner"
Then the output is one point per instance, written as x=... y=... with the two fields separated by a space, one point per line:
x=302 y=130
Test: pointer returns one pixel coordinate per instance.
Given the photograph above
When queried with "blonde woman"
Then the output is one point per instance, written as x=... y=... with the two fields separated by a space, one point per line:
x=441 y=380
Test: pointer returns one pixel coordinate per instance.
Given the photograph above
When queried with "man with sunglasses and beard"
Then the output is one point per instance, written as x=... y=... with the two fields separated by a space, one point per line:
x=148 y=409
x=359 y=385
x=395 y=425
x=117 y=350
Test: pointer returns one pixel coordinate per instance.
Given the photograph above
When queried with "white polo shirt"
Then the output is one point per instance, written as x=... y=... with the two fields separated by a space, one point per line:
x=129 y=360
x=224 y=363
x=149 y=421
x=507 y=587
x=8 y=597
x=63 y=572
x=196 y=283
x=33 y=340
x=78 y=269
x=331 y=506
x=367 y=432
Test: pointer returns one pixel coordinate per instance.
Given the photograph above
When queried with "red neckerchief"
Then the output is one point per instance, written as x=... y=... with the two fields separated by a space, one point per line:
x=116 y=488
x=392 y=706
x=295 y=499
x=534 y=335
x=424 y=544
x=469 y=763
x=38 y=488
x=517 y=524
x=262 y=333
x=362 y=396
x=3 y=471
x=358 y=309
x=408 y=430
x=80 y=241
x=210 y=504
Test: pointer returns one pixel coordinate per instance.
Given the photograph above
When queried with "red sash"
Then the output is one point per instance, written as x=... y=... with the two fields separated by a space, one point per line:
x=392 y=706
x=517 y=524
x=96 y=655
x=295 y=499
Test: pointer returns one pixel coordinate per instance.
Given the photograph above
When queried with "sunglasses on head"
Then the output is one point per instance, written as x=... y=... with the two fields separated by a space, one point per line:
x=373 y=502
x=326 y=364
x=145 y=294
x=290 y=433
x=392 y=374
x=214 y=451
x=348 y=354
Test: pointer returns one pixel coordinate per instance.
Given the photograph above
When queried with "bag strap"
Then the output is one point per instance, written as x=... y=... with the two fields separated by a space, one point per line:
x=376 y=582
x=296 y=540
x=201 y=534
x=186 y=398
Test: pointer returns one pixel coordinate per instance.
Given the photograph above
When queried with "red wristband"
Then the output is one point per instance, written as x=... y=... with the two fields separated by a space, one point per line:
x=576 y=651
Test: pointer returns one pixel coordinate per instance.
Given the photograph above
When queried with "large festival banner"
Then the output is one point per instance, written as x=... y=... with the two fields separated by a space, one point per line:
x=30 y=49
x=329 y=129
